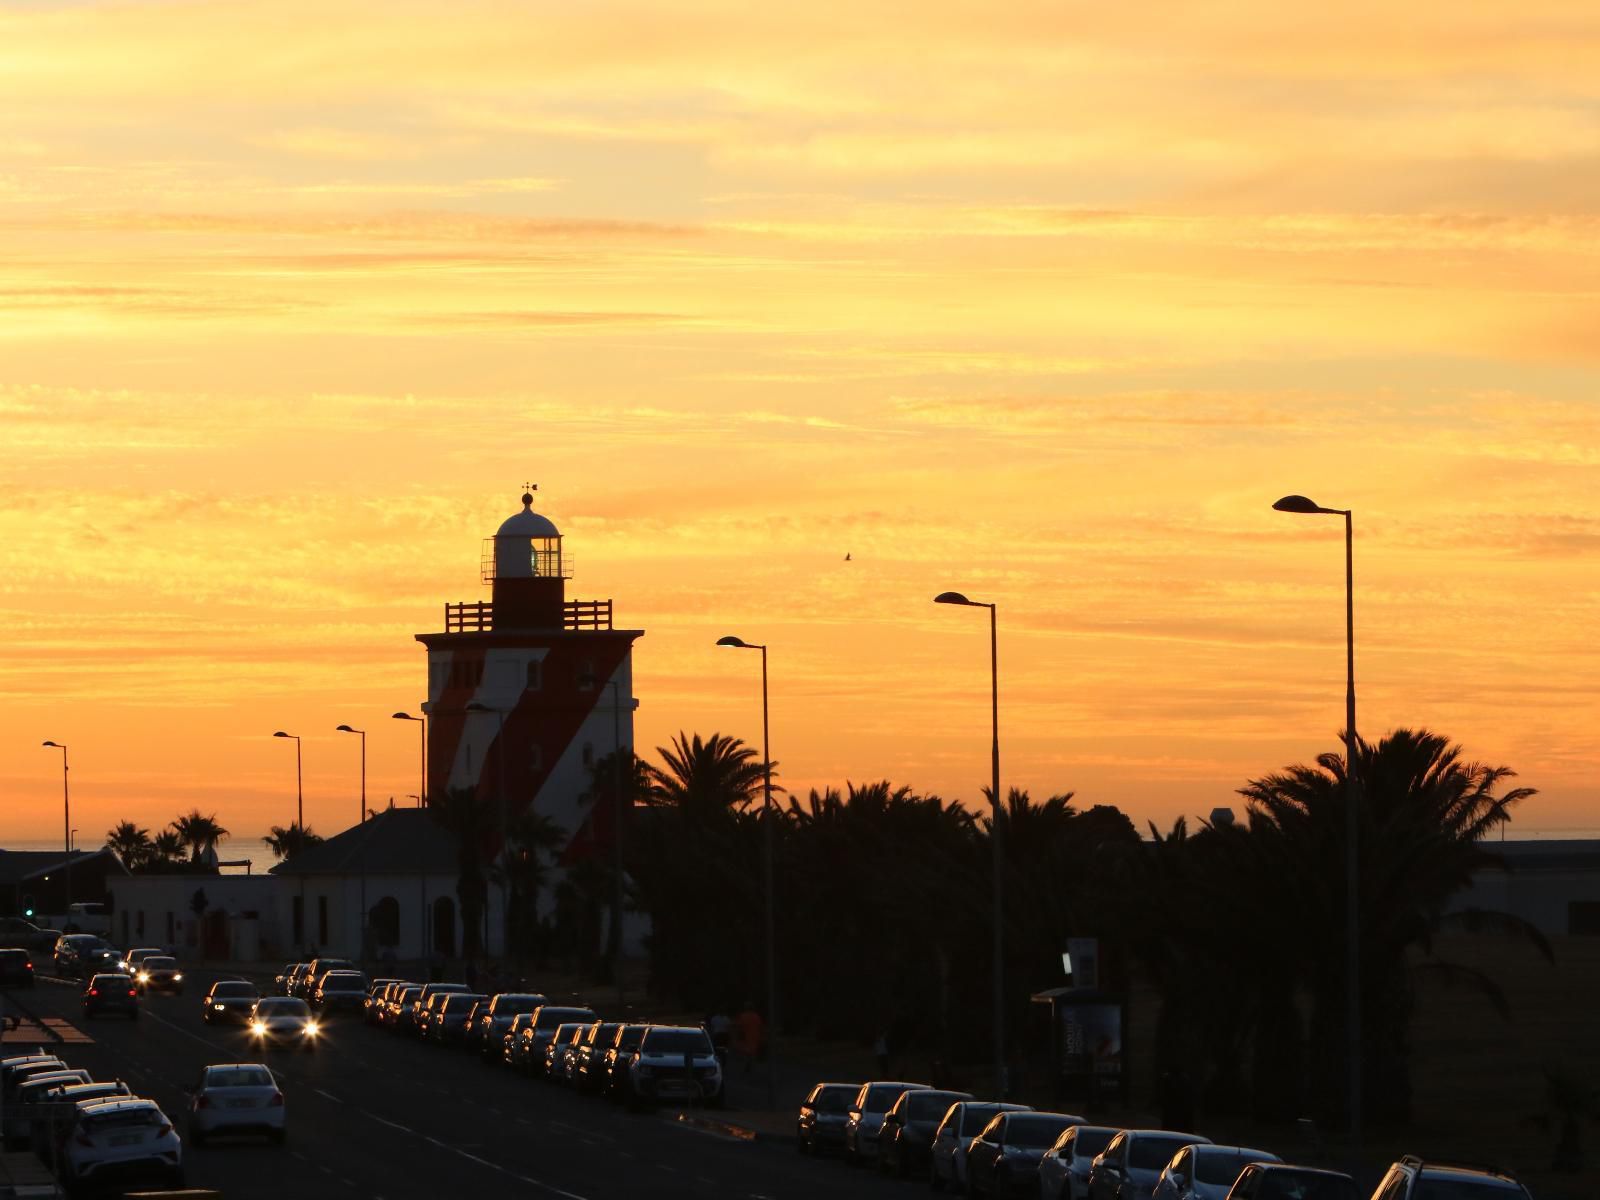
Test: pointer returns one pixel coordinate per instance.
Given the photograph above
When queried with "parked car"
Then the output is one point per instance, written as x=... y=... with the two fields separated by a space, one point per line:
x=283 y=1021
x=589 y=1053
x=614 y=1062
x=1413 y=1178
x=675 y=1062
x=1064 y=1169
x=511 y=1039
x=236 y=1098
x=316 y=969
x=556 y=1049
x=35 y=1088
x=906 y=1137
x=1132 y=1162
x=1205 y=1172
x=1273 y=1181
x=1003 y=1160
x=159 y=973
x=371 y=1007
x=229 y=1002
x=16 y=967
x=340 y=991
x=398 y=1010
x=493 y=1022
x=21 y=1062
x=47 y=1131
x=865 y=1118
x=452 y=1017
x=36 y=939
x=537 y=1034
x=420 y=1005
x=819 y=1125
x=947 y=1164
x=121 y=1139
x=110 y=993
x=285 y=978
x=295 y=984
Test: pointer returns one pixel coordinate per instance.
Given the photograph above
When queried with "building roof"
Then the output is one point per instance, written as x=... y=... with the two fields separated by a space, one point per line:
x=1547 y=854
x=397 y=841
x=18 y=866
x=527 y=523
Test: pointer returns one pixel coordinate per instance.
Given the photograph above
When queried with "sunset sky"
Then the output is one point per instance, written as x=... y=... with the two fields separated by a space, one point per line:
x=1042 y=302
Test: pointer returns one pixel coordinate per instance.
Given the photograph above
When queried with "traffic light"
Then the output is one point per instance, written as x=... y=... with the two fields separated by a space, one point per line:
x=27 y=906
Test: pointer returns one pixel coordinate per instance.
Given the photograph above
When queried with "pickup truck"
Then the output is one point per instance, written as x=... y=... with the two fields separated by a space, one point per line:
x=25 y=935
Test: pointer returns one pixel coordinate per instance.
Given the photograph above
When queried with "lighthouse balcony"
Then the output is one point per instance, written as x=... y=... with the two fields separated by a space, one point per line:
x=477 y=616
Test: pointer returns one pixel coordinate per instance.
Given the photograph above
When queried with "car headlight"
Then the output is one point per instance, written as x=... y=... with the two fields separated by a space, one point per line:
x=258 y=1026
x=144 y=976
x=177 y=979
x=219 y=1007
x=311 y=1029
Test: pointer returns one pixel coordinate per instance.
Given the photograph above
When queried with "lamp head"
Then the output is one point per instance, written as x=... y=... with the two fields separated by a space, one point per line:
x=1300 y=504
x=405 y=717
x=951 y=598
x=281 y=733
x=730 y=640
x=345 y=729
x=57 y=745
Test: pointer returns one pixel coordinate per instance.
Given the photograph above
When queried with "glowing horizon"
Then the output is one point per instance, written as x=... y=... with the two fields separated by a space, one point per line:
x=1046 y=304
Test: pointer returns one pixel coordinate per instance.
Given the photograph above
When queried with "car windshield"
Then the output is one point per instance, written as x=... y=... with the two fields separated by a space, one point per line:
x=459 y=1002
x=1153 y=1153
x=975 y=1117
x=928 y=1106
x=552 y=1018
x=282 y=1006
x=410 y=994
x=833 y=1100
x=97 y=1122
x=110 y=981
x=511 y=1006
x=629 y=1036
x=1291 y=1185
x=1035 y=1129
x=240 y=1076
x=232 y=991
x=1090 y=1142
x=13 y=955
x=601 y=1035
x=881 y=1096
x=156 y=963
x=1464 y=1189
x=676 y=1041
x=344 y=981
x=1222 y=1167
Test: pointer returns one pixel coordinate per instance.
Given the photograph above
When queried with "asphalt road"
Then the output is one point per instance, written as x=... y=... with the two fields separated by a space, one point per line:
x=375 y=1115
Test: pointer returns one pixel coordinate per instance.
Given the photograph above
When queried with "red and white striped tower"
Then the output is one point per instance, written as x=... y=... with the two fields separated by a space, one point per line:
x=521 y=699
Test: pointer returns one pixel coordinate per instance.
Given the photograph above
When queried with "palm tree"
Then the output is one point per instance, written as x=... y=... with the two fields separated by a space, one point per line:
x=200 y=833
x=533 y=840
x=472 y=819
x=131 y=844
x=287 y=842
x=166 y=851
x=715 y=775
x=1424 y=811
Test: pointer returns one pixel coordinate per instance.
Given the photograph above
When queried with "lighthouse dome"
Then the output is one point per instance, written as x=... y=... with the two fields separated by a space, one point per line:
x=527 y=523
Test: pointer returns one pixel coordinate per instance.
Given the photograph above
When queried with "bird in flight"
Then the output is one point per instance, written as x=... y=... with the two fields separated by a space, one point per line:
x=847 y=557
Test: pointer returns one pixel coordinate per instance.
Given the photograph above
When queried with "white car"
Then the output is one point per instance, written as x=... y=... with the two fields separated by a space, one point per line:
x=675 y=1062
x=283 y=1021
x=1064 y=1170
x=1206 y=1172
x=131 y=959
x=236 y=1098
x=121 y=1139
x=961 y=1124
x=1127 y=1169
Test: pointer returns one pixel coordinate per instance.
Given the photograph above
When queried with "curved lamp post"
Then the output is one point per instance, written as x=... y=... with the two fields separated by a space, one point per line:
x=299 y=785
x=422 y=792
x=363 y=733
x=1352 y=794
x=997 y=1000
x=767 y=822
x=66 y=796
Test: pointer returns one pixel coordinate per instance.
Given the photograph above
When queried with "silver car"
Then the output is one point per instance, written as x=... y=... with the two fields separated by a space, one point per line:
x=962 y=1123
x=864 y=1122
x=1127 y=1169
x=1206 y=1172
x=1064 y=1169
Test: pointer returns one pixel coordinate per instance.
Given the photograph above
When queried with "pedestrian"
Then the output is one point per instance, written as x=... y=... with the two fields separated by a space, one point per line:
x=749 y=1035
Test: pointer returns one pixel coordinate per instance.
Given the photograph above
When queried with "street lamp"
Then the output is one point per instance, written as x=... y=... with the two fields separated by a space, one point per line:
x=997 y=970
x=363 y=733
x=766 y=854
x=299 y=786
x=66 y=812
x=71 y=833
x=1352 y=800
x=422 y=792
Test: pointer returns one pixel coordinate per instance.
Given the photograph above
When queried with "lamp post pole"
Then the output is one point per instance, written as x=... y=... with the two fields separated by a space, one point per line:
x=300 y=824
x=997 y=850
x=362 y=821
x=618 y=812
x=1352 y=800
x=422 y=791
x=768 y=832
x=66 y=813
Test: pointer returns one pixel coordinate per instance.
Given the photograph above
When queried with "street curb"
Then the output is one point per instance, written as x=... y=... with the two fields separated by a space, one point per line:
x=723 y=1128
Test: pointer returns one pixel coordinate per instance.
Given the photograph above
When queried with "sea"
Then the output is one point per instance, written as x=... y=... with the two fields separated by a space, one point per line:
x=240 y=856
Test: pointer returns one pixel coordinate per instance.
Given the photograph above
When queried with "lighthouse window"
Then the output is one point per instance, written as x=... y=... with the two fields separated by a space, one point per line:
x=533 y=676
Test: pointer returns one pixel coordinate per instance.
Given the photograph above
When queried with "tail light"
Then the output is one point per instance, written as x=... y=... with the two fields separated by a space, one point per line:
x=276 y=1101
x=132 y=992
x=29 y=966
x=163 y=1130
x=94 y=991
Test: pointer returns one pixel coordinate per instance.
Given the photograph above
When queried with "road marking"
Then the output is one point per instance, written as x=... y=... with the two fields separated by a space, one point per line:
x=390 y=1124
x=327 y=1095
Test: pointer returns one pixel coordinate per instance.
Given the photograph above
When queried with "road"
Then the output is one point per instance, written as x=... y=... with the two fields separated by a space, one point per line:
x=374 y=1115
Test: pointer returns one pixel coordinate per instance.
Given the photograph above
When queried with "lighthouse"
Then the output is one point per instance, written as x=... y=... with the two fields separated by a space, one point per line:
x=527 y=690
